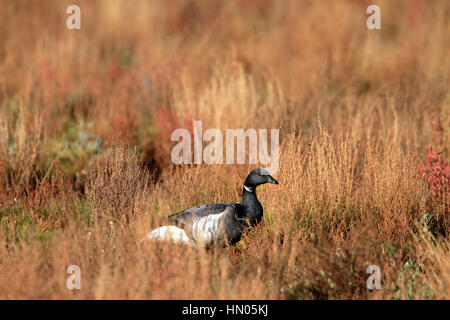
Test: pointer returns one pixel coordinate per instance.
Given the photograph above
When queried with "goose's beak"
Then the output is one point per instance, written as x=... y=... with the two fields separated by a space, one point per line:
x=272 y=180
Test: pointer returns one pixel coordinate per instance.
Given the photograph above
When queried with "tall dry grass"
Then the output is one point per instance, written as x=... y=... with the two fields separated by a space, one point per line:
x=85 y=124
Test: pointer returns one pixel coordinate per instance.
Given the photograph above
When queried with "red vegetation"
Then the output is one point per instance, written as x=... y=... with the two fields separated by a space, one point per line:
x=437 y=177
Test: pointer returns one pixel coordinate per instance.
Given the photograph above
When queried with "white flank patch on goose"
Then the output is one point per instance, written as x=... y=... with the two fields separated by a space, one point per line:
x=168 y=233
x=206 y=228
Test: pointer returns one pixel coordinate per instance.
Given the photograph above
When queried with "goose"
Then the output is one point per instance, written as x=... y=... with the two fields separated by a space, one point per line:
x=219 y=223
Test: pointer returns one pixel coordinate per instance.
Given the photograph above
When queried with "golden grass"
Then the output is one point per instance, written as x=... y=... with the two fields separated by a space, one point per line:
x=85 y=123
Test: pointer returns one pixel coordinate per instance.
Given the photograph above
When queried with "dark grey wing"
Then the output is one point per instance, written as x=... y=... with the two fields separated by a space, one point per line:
x=198 y=212
x=207 y=223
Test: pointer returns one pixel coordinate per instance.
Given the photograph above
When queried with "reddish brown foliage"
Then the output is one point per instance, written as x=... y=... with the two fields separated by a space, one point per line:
x=437 y=177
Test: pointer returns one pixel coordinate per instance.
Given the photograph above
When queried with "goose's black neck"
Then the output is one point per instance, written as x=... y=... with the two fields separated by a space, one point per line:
x=252 y=207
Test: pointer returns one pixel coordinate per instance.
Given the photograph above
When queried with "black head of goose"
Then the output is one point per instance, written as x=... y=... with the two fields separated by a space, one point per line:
x=219 y=223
